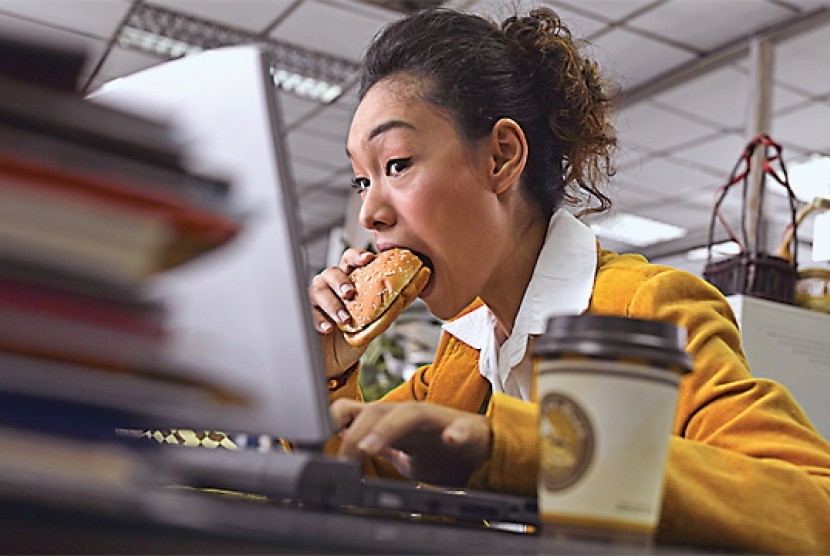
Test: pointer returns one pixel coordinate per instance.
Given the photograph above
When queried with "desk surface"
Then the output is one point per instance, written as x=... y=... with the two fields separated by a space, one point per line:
x=196 y=522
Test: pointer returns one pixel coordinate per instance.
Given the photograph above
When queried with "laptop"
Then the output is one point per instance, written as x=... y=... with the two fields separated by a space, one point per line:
x=242 y=315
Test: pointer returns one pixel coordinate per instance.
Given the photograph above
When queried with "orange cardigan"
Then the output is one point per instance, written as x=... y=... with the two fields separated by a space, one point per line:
x=746 y=468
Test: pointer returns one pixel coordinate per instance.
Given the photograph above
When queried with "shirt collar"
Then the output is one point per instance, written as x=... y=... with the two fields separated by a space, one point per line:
x=561 y=284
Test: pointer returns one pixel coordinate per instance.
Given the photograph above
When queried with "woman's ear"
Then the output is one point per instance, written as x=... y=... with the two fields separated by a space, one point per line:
x=509 y=154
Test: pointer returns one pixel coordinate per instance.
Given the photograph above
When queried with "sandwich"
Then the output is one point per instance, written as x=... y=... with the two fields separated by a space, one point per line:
x=383 y=289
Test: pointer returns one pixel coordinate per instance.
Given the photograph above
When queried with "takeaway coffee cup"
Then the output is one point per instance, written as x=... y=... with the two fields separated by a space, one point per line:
x=607 y=388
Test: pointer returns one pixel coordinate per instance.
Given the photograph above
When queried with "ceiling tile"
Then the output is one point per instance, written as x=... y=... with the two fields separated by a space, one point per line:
x=316 y=148
x=719 y=154
x=122 y=61
x=295 y=109
x=662 y=177
x=634 y=59
x=806 y=128
x=348 y=100
x=688 y=217
x=580 y=23
x=308 y=175
x=719 y=96
x=626 y=192
x=655 y=129
x=322 y=27
x=786 y=95
x=337 y=113
x=249 y=15
x=807 y=5
x=319 y=224
x=611 y=10
x=333 y=121
x=707 y=24
x=374 y=9
x=629 y=154
x=784 y=99
x=323 y=207
x=96 y=18
x=804 y=61
x=339 y=168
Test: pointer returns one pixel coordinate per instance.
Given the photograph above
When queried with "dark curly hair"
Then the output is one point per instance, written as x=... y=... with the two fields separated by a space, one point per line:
x=529 y=69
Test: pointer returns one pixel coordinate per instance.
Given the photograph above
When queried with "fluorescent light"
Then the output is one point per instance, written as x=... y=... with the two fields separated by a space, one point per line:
x=165 y=47
x=636 y=230
x=809 y=178
x=306 y=73
x=315 y=89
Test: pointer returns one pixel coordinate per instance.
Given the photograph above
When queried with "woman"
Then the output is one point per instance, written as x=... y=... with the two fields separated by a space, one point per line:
x=468 y=140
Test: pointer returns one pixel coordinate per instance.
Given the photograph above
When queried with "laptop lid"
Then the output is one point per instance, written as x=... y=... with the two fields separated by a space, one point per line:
x=239 y=315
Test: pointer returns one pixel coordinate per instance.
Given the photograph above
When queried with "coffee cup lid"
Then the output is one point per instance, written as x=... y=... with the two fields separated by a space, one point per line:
x=660 y=342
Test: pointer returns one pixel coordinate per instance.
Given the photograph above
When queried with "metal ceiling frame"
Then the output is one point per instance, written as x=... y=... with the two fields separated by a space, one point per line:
x=726 y=54
x=712 y=61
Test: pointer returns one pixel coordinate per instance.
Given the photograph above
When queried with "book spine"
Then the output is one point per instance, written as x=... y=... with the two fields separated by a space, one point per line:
x=141 y=319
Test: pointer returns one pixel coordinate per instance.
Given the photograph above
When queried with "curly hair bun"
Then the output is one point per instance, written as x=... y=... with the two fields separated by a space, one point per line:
x=573 y=87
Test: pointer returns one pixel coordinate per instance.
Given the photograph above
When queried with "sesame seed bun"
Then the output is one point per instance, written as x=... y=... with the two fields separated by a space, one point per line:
x=383 y=289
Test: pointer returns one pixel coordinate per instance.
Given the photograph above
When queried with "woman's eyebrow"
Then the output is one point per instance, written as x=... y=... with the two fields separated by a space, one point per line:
x=384 y=127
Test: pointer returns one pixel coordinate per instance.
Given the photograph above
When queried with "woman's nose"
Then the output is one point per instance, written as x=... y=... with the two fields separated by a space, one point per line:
x=376 y=212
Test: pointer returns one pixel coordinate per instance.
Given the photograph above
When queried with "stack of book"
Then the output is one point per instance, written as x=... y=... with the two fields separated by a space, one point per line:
x=94 y=203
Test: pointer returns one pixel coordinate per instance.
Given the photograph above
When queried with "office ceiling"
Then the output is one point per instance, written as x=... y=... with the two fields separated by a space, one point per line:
x=684 y=66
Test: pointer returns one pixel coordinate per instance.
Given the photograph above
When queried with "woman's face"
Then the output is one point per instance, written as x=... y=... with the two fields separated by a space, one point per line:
x=428 y=191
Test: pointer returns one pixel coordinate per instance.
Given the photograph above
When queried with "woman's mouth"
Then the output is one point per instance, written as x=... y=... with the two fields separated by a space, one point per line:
x=428 y=263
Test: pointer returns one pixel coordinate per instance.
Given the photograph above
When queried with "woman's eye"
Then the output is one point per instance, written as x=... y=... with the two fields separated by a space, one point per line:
x=360 y=184
x=397 y=166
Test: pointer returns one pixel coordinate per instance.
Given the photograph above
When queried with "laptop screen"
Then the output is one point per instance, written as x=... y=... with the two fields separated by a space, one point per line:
x=240 y=315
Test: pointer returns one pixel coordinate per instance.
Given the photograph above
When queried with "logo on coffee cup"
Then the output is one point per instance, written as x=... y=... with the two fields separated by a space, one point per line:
x=567 y=441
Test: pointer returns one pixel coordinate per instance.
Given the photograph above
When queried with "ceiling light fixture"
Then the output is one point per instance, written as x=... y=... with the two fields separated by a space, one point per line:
x=299 y=71
x=636 y=230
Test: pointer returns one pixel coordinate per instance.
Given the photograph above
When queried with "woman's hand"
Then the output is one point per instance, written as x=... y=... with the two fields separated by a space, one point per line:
x=426 y=442
x=327 y=292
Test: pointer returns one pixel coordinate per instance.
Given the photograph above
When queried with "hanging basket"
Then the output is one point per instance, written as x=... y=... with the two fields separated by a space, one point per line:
x=753 y=272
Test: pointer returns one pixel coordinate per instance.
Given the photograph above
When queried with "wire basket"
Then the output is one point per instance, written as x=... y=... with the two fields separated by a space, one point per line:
x=753 y=272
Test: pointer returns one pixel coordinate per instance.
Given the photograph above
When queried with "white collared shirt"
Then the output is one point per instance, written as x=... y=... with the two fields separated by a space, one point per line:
x=562 y=282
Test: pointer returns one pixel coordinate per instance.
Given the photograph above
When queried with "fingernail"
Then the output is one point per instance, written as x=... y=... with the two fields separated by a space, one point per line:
x=345 y=288
x=370 y=445
x=457 y=436
x=366 y=256
x=342 y=315
x=325 y=326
